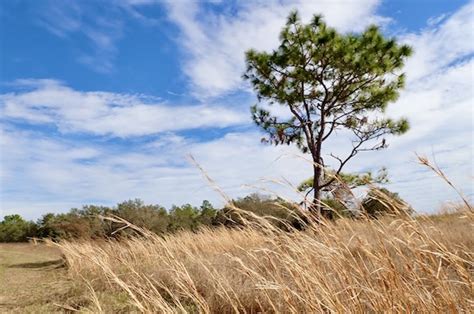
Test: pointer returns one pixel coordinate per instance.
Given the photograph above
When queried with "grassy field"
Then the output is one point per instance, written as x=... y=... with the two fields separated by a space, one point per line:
x=31 y=278
x=401 y=265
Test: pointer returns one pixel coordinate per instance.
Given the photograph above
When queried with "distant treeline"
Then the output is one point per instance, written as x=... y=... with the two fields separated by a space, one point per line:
x=88 y=222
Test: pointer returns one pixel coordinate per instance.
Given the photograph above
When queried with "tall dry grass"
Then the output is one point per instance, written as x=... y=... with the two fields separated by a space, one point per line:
x=393 y=264
x=401 y=265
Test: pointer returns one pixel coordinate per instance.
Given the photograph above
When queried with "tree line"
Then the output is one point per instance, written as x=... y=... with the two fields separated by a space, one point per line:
x=88 y=222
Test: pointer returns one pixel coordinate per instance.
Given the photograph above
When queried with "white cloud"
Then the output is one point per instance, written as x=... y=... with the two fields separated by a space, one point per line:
x=438 y=103
x=47 y=174
x=102 y=113
x=440 y=45
x=214 y=43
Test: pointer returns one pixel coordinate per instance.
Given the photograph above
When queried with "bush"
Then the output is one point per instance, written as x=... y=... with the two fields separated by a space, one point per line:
x=264 y=206
x=337 y=207
x=14 y=228
x=380 y=201
x=77 y=224
x=207 y=214
x=151 y=217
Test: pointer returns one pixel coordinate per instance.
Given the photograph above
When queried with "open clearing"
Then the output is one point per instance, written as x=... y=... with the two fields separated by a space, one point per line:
x=32 y=278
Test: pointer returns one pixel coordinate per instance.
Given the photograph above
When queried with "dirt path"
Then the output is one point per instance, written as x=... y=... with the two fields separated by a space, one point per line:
x=31 y=279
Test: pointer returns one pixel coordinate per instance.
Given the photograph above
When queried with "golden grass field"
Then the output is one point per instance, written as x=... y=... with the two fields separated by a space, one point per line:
x=399 y=265
x=386 y=265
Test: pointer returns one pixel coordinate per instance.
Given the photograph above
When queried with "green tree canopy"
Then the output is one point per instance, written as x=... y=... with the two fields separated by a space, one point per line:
x=350 y=180
x=328 y=81
x=14 y=228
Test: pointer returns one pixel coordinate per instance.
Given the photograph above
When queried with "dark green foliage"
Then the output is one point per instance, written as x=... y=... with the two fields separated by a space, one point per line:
x=350 y=180
x=184 y=217
x=338 y=207
x=328 y=81
x=192 y=218
x=13 y=228
x=151 y=217
x=47 y=227
x=78 y=223
x=207 y=214
x=278 y=210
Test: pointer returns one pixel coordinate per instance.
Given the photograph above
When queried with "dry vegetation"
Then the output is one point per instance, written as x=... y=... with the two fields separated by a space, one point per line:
x=391 y=264
x=32 y=279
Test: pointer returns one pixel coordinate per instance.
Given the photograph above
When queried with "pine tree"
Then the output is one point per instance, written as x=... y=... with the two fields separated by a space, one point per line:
x=328 y=81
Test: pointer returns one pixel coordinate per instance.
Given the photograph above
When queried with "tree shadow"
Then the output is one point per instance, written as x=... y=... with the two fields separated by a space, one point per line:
x=58 y=263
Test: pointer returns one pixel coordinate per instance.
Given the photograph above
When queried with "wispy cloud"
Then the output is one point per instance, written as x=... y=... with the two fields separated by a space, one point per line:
x=441 y=44
x=101 y=24
x=60 y=18
x=214 y=43
x=103 y=113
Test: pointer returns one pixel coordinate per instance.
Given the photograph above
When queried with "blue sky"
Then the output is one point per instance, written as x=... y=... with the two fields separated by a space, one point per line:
x=101 y=101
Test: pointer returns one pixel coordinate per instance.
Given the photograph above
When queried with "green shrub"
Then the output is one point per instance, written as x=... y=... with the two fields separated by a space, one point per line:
x=14 y=228
x=337 y=207
x=285 y=213
x=151 y=217
x=207 y=214
x=380 y=201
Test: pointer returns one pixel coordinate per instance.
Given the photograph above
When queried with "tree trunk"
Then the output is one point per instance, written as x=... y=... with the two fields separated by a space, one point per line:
x=315 y=206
